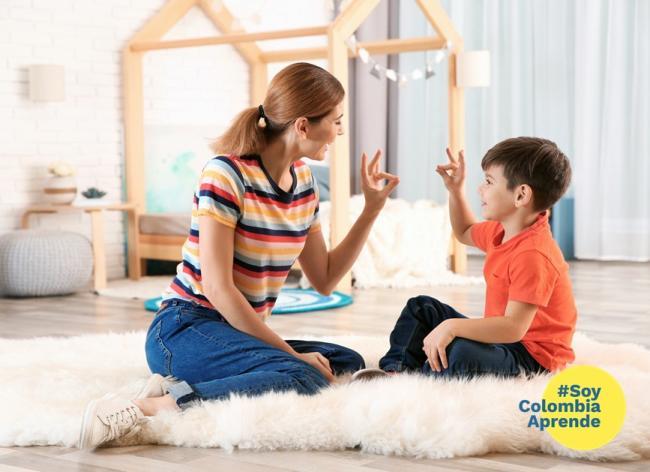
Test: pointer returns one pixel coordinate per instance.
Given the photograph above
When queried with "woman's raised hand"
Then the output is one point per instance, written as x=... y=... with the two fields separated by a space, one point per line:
x=372 y=183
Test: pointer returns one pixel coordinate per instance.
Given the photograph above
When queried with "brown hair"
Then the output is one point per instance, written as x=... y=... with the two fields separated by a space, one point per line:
x=536 y=162
x=300 y=89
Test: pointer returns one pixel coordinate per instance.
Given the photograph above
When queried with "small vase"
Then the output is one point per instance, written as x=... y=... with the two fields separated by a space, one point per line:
x=60 y=190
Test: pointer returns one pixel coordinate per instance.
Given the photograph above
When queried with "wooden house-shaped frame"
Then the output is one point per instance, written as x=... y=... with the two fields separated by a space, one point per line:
x=148 y=38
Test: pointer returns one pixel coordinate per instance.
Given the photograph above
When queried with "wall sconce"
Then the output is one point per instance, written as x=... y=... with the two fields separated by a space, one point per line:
x=46 y=83
x=473 y=69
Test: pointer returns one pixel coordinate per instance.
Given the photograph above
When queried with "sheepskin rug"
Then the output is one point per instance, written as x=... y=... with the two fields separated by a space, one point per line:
x=48 y=381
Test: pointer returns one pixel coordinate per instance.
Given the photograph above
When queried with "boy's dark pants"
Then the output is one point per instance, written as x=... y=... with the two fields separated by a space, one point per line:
x=466 y=358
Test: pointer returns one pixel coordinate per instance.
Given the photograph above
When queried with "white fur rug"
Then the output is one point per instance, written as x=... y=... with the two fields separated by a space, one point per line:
x=47 y=382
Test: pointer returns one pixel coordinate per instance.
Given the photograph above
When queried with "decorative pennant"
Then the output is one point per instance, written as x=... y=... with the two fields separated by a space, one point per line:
x=429 y=72
x=351 y=43
x=364 y=55
x=417 y=74
x=378 y=71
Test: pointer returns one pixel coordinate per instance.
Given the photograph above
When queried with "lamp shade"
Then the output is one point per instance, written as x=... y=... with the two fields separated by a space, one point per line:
x=473 y=69
x=46 y=83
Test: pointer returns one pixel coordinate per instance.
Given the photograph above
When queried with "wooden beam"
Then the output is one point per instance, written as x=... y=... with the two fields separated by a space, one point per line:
x=339 y=158
x=223 y=20
x=99 y=249
x=133 y=128
x=388 y=46
x=163 y=20
x=258 y=83
x=133 y=249
x=232 y=38
x=349 y=19
x=393 y=46
x=251 y=53
x=290 y=55
x=438 y=18
x=456 y=106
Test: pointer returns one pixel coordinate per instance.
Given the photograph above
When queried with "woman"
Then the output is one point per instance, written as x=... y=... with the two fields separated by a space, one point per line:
x=255 y=211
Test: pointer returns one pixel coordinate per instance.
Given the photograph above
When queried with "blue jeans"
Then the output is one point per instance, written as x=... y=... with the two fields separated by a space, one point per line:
x=211 y=359
x=465 y=358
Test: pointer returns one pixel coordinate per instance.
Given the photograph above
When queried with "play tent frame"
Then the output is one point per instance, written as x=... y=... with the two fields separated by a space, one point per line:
x=149 y=38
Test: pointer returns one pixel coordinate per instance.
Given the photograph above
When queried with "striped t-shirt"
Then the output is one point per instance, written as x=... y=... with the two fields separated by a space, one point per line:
x=270 y=226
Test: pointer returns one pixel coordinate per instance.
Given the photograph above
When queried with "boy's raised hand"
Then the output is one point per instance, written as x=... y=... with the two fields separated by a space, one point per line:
x=453 y=173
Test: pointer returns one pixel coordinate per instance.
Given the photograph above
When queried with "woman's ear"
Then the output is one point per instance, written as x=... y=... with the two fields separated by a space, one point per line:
x=300 y=126
x=523 y=195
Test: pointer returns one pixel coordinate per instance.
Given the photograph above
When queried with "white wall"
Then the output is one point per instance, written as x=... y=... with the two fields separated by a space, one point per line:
x=190 y=87
x=85 y=129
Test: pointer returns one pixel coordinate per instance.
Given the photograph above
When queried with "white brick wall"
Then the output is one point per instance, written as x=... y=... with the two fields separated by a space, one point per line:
x=198 y=87
x=86 y=129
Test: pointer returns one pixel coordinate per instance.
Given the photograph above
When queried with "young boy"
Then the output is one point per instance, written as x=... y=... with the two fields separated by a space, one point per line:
x=530 y=313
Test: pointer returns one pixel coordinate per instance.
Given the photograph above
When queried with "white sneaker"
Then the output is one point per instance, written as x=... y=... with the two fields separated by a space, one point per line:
x=367 y=374
x=156 y=386
x=106 y=419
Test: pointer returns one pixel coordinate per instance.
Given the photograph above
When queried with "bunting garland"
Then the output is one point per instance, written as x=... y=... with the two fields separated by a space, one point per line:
x=379 y=71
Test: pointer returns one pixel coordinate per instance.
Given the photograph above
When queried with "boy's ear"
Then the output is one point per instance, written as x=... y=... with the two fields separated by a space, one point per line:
x=523 y=195
x=300 y=126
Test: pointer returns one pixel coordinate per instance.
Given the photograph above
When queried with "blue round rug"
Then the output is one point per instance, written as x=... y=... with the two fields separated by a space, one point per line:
x=291 y=300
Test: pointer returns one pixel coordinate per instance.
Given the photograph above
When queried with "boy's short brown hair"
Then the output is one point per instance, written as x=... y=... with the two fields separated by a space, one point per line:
x=536 y=162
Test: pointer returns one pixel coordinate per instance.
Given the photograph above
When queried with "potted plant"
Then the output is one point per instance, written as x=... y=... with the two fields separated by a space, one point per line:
x=61 y=187
x=93 y=193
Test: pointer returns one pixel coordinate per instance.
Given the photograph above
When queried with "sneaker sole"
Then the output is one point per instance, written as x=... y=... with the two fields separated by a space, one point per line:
x=367 y=375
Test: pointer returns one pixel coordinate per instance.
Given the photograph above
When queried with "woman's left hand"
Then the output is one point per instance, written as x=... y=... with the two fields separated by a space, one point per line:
x=372 y=183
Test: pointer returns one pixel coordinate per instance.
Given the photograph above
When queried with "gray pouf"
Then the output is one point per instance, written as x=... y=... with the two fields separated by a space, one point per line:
x=36 y=263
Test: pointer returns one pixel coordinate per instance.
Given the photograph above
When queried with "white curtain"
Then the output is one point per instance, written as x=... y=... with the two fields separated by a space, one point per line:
x=612 y=129
x=573 y=71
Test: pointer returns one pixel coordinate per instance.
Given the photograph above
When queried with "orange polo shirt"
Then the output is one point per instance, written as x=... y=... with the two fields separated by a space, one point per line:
x=530 y=268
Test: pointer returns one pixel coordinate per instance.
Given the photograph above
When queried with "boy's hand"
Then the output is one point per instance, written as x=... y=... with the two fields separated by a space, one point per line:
x=453 y=174
x=435 y=345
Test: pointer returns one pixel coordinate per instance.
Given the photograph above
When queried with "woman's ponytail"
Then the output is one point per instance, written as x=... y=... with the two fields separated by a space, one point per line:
x=301 y=89
x=244 y=136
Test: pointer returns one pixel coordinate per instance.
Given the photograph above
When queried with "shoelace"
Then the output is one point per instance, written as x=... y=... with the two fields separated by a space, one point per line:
x=119 y=420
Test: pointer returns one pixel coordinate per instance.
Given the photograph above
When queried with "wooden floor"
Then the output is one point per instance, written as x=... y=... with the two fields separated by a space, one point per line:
x=613 y=303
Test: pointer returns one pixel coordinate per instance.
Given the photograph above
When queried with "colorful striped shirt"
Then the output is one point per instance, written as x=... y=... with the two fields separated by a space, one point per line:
x=270 y=227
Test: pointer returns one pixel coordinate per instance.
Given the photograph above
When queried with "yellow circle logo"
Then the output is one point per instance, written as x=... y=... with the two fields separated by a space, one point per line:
x=583 y=407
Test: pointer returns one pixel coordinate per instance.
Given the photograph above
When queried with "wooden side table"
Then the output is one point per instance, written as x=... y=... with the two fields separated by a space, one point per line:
x=97 y=234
